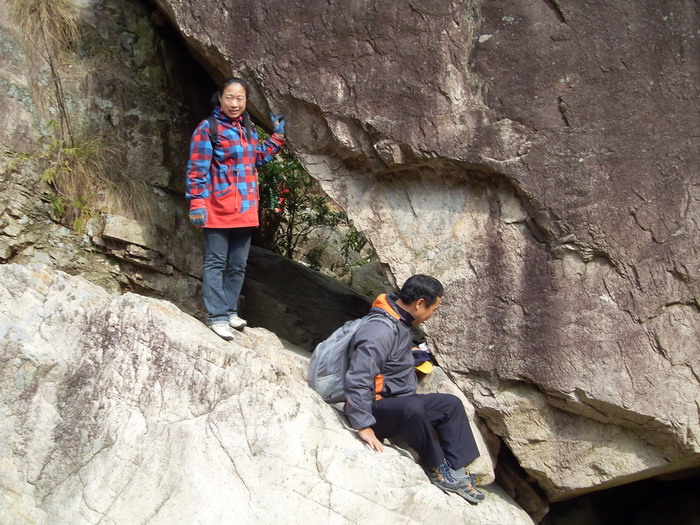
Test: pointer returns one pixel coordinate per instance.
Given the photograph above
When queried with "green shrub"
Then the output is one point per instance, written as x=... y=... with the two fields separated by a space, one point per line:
x=292 y=206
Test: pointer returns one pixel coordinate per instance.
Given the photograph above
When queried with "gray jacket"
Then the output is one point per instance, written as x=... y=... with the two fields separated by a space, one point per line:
x=381 y=363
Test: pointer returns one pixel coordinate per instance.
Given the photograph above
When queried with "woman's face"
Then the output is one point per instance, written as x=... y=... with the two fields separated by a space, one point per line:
x=233 y=100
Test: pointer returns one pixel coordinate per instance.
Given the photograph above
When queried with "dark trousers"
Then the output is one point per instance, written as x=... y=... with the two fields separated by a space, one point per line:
x=434 y=425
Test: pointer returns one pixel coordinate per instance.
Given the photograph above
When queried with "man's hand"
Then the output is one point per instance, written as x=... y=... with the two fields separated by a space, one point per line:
x=367 y=435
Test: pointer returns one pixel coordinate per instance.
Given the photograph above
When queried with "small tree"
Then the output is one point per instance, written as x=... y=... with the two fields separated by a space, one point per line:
x=292 y=206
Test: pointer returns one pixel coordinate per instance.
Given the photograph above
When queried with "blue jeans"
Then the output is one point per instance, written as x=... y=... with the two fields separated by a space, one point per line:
x=225 y=256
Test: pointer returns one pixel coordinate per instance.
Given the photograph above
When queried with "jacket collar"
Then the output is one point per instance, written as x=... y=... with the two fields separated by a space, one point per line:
x=220 y=115
x=387 y=303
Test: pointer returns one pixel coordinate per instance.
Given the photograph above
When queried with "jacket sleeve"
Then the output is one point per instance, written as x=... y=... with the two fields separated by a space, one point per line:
x=371 y=346
x=198 y=176
x=268 y=149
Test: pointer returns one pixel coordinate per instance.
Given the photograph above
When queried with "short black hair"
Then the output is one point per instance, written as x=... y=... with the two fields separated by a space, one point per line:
x=421 y=286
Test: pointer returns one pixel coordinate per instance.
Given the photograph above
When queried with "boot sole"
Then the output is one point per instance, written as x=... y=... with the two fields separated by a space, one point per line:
x=462 y=493
x=474 y=500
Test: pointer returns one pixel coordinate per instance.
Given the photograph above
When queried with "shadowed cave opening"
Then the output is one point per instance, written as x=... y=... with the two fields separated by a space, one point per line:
x=647 y=502
x=654 y=501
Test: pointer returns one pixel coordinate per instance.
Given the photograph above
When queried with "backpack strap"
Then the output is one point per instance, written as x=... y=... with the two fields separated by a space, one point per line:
x=213 y=130
x=385 y=319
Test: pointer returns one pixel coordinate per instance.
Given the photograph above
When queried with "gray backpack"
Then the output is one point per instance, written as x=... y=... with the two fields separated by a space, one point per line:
x=331 y=358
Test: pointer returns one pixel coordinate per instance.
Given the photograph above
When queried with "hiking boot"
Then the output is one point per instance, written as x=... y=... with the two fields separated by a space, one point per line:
x=467 y=487
x=236 y=322
x=443 y=477
x=222 y=330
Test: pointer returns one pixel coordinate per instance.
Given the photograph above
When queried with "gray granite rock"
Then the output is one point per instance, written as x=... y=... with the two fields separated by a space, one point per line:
x=121 y=409
x=540 y=158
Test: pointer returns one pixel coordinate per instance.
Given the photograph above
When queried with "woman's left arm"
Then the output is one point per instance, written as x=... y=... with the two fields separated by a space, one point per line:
x=268 y=149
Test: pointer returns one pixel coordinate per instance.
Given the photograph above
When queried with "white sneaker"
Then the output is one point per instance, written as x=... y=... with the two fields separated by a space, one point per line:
x=222 y=330
x=236 y=322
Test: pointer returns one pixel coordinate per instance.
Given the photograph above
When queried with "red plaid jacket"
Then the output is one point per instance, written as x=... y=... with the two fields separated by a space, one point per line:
x=224 y=180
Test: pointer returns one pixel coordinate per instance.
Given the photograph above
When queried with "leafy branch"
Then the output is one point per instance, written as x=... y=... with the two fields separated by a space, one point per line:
x=293 y=207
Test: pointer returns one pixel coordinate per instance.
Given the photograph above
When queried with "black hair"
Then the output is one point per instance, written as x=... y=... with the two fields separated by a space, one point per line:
x=421 y=286
x=247 y=124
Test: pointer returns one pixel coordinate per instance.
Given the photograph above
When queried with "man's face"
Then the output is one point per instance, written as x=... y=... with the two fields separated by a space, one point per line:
x=423 y=311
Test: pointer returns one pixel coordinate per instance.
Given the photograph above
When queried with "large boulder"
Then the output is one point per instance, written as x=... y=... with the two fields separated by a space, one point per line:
x=540 y=158
x=122 y=409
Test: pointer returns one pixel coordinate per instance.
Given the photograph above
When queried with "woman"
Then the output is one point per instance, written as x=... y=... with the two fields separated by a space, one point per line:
x=222 y=187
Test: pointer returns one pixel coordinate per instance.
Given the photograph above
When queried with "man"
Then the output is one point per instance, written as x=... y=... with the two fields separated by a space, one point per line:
x=380 y=391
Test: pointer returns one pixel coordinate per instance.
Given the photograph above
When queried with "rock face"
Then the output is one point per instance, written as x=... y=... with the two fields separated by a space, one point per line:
x=123 y=86
x=299 y=305
x=540 y=158
x=123 y=409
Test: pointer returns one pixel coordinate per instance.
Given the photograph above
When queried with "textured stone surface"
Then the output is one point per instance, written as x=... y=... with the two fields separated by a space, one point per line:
x=122 y=409
x=299 y=305
x=547 y=174
x=370 y=279
x=119 y=87
x=545 y=171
